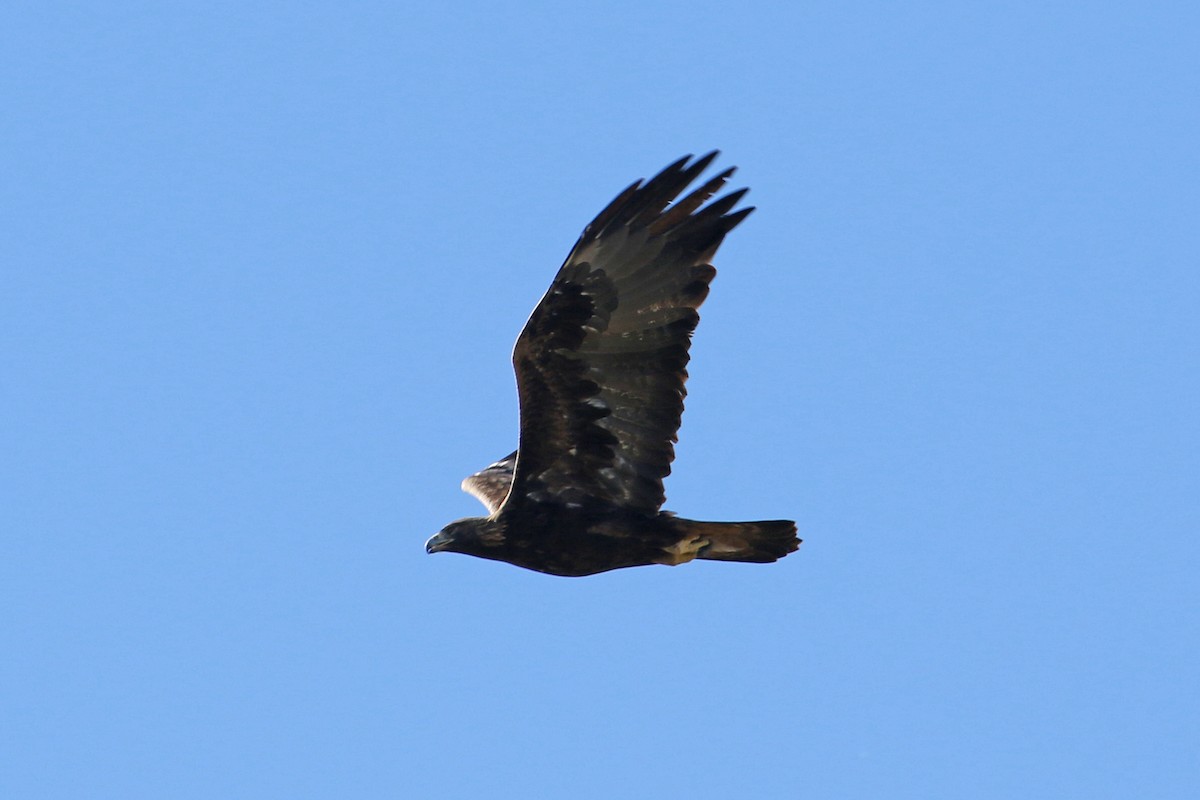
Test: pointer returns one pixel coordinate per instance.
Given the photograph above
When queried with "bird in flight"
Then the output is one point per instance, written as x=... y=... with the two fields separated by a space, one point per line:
x=601 y=366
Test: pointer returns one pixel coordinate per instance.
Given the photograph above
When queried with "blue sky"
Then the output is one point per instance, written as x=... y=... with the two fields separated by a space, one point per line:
x=262 y=268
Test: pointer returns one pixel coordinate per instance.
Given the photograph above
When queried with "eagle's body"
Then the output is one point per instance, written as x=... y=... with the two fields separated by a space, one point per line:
x=559 y=540
x=601 y=366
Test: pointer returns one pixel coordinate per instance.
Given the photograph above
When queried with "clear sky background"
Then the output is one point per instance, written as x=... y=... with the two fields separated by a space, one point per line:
x=262 y=268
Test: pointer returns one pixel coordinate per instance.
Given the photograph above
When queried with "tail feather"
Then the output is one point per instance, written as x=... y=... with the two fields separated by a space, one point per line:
x=759 y=542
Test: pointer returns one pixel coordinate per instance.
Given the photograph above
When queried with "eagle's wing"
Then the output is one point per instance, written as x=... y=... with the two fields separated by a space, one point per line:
x=602 y=361
x=491 y=484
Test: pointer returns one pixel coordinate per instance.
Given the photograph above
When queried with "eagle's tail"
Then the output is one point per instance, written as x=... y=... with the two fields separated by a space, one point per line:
x=760 y=542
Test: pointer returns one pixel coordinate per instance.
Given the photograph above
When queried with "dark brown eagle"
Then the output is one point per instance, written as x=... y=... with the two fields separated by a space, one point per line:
x=600 y=369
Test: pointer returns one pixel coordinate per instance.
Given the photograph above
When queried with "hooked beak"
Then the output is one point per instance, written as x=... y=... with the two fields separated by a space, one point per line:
x=438 y=543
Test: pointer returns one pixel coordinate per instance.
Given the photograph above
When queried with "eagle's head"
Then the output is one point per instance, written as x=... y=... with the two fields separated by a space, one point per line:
x=475 y=536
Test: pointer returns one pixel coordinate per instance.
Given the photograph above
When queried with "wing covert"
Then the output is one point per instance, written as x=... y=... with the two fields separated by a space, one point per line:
x=491 y=484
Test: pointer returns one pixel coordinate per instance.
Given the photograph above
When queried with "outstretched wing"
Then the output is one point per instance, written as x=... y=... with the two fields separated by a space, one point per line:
x=491 y=484
x=601 y=363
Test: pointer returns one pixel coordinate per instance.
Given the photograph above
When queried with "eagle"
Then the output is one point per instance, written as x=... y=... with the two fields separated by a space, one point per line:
x=601 y=366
